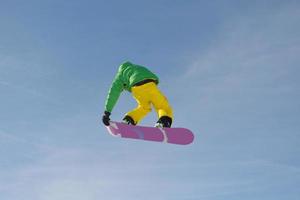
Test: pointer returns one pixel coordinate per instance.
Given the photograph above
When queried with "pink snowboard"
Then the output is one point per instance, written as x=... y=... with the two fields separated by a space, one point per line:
x=169 y=135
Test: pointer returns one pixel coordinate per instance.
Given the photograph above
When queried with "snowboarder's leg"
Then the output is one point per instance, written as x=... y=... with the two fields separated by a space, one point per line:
x=141 y=95
x=139 y=113
x=162 y=106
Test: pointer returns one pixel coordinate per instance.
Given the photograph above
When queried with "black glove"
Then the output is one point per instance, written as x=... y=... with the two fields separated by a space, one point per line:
x=105 y=118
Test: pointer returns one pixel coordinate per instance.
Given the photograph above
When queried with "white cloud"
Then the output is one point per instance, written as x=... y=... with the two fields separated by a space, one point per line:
x=254 y=59
x=77 y=174
x=253 y=48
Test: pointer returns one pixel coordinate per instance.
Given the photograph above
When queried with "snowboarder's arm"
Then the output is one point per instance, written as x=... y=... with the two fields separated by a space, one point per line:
x=114 y=93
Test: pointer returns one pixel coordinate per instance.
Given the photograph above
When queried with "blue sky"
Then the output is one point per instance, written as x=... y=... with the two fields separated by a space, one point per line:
x=229 y=68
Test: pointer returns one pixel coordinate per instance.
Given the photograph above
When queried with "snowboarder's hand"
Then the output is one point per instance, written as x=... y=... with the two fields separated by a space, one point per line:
x=105 y=118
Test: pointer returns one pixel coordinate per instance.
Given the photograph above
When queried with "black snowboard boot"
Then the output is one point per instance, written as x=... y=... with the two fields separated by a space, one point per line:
x=164 y=121
x=128 y=120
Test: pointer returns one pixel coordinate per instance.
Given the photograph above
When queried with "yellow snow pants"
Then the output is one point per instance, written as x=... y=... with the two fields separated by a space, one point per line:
x=147 y=95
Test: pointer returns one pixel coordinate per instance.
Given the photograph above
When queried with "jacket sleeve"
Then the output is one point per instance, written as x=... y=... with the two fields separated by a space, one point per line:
x=114 y=93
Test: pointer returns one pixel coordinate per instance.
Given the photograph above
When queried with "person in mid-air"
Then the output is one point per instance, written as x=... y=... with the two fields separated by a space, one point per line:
x=142 y=83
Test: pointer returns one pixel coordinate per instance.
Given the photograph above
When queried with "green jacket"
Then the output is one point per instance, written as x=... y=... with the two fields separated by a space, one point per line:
x=128 y=75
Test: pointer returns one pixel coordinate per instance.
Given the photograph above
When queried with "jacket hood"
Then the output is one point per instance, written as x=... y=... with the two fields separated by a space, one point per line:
x=124 y=65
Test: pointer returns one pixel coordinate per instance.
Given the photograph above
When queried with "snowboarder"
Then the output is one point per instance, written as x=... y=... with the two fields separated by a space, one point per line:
x=142 y=83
